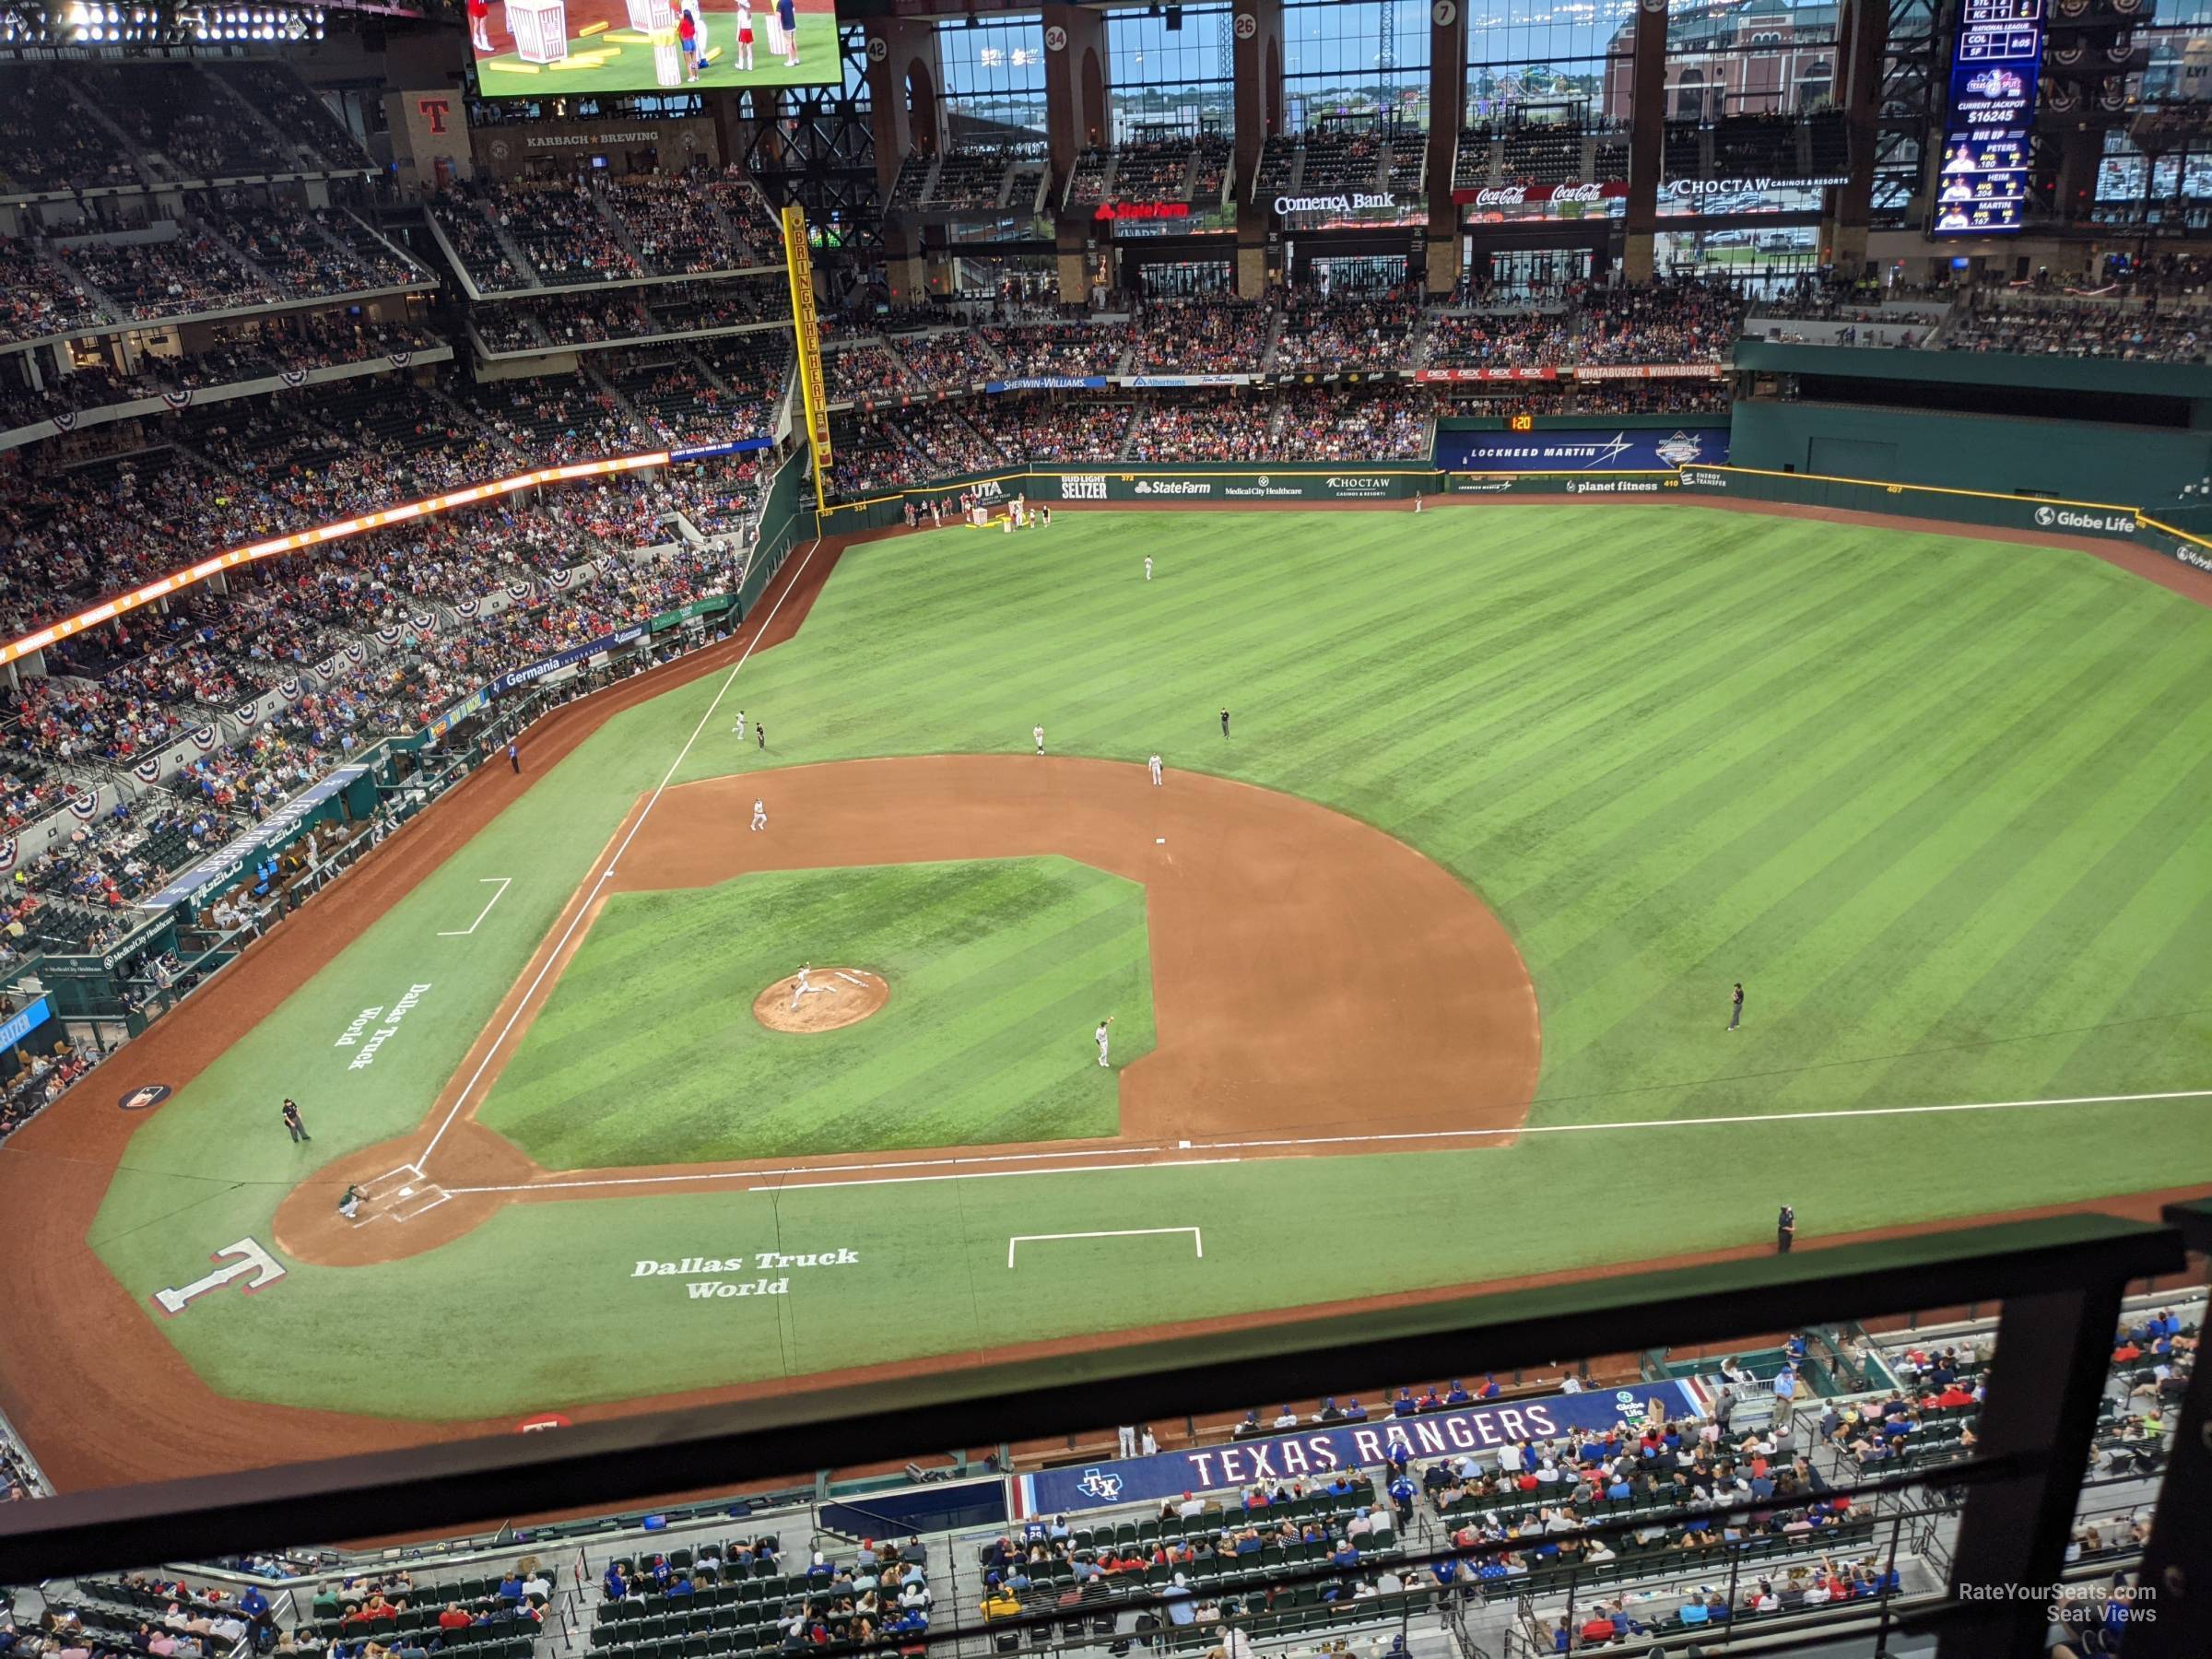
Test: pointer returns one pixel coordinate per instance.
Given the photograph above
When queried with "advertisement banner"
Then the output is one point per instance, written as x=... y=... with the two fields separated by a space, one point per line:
x=1325 y=1449
x=1468 y=377
x=1187 y=380
x=1048 y=383
x=274 y=832
x=1544 y=198
x=712 y=606
x=1610 y=371
x=22 y=1024
x=1599 y=448
x=531 y=673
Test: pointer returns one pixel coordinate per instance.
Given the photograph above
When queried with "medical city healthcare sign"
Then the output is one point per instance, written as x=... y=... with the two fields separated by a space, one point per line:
x=1319 y=1454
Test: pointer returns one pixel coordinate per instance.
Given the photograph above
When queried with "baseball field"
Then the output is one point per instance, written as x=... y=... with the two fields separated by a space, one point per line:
x=1419 y=977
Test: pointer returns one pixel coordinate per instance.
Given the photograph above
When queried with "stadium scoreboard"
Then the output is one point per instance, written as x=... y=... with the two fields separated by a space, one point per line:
x=1997 y=57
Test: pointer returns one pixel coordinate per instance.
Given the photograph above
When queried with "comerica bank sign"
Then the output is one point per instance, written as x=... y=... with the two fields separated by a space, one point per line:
x=1353 y=201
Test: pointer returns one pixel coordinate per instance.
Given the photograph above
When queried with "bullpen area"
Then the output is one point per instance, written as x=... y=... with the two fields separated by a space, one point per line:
x=1412 y=973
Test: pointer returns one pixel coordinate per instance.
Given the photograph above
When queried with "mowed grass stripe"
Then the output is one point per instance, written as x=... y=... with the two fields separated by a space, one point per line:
x=2066 y=859
x=1772 y=809
x=1901 y=888
x=1724 y=746
x=648 y=1051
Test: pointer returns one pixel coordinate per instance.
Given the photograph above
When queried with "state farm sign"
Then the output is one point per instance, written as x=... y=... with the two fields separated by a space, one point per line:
x=1540 y=198
x=1142 y=210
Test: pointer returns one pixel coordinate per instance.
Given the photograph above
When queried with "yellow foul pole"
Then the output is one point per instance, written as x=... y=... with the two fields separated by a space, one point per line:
x=799 y=265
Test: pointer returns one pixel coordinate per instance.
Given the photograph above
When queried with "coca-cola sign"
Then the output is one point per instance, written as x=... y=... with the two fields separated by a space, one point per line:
x=1540 y=196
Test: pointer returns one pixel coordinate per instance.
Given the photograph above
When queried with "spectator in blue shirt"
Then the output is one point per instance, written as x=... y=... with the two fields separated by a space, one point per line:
x=1176 y=1599
x=1346 y=1553
x=510 y=1587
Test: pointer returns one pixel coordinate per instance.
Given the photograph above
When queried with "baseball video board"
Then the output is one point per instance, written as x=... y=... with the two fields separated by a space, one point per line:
x=1995 y=58
x=543 y=48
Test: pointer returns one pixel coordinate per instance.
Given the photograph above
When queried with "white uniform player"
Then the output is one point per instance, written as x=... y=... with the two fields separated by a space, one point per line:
x=1038 y=733
x=759 y=815
x=1147 y=567
x=1101 y=1035
x=738 y=730
x=806 y=988
x=1152 y=765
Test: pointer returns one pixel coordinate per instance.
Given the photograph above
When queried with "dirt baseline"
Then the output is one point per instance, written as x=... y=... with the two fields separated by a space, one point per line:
x=1313 y=979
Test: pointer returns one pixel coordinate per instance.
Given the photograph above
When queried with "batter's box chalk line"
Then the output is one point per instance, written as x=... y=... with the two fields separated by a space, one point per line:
x=1018 y=1239
x=391 y=1180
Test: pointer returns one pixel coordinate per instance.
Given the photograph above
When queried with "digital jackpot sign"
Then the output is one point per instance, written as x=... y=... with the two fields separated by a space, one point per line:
x=1982 y=190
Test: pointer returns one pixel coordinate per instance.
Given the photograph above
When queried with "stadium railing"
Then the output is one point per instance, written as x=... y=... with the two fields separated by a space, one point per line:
x=2060 y=1281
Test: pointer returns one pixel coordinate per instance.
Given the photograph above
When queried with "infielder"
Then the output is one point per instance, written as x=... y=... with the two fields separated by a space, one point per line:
x=1101 y=1035
x=1147 y=567
x=760 y=734
x=759 y=815
x=1038 y=733
x=1152 y=765
x=738 y=730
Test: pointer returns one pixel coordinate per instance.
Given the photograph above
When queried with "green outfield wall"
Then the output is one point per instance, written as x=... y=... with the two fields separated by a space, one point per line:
x=2076 y=459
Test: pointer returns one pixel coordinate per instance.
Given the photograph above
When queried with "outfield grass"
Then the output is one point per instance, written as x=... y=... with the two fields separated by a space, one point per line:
x=1944 y=805
x=647 y=1051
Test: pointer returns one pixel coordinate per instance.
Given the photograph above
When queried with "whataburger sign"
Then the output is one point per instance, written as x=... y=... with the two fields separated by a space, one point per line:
x=1320 y=1451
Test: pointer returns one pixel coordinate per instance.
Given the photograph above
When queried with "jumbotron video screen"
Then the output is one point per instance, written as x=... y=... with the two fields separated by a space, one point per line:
x=536 y=47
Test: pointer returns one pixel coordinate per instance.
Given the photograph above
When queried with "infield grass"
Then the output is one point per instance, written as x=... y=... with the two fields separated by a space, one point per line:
x=1944 y=805
x=647 y=1051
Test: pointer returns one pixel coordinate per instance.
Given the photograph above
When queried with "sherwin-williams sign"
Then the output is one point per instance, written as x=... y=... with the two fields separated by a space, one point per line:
x=1344 y=1446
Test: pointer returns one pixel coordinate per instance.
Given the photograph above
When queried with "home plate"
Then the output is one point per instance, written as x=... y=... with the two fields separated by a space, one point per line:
x=407 y=1192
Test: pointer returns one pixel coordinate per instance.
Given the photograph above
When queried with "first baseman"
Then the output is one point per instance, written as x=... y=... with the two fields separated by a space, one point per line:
x=1101 y=1035
x=759 y=815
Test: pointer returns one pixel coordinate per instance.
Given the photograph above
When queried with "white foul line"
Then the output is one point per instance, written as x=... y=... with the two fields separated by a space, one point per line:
x=505 y=882
x=1180 y=1163
x=774 y=1180
x=1197 y=1238
x=584 y=909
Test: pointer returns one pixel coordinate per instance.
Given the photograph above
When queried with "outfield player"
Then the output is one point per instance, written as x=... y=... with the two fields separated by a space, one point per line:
x=1225 y=723
x=1101 y=1035
x=1147 y=567
x=760 y=734
x=759 y=815
x=1153 y=767
x=1038 y=733
x=738 y=730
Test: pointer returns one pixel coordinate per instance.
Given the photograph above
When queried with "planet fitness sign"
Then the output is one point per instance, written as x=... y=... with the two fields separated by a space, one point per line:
x=1344 y=1446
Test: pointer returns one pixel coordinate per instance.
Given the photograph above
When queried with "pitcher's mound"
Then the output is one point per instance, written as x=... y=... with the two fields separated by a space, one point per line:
x=834 y=998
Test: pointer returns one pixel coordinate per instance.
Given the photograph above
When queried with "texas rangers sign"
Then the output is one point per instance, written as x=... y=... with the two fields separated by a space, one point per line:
x=1324 y=1450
